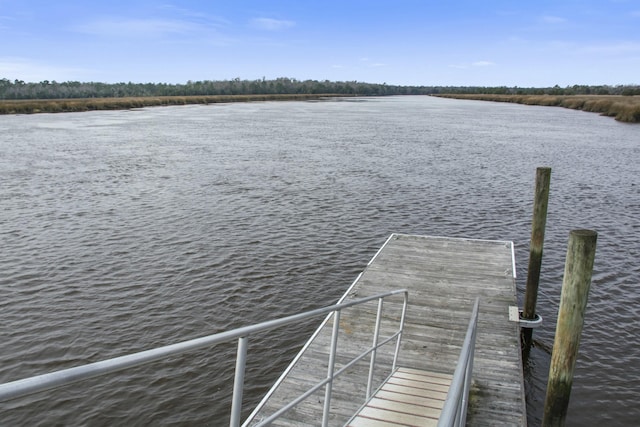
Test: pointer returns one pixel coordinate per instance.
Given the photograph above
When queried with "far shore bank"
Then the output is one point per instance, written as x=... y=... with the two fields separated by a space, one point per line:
x=622 y=108
x=33 y=106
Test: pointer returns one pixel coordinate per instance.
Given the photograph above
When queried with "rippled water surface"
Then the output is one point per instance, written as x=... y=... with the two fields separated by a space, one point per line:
x=126 y=230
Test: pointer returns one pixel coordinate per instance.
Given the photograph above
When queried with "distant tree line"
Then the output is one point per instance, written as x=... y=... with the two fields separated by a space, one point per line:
x=18 y=89
x=627 y=90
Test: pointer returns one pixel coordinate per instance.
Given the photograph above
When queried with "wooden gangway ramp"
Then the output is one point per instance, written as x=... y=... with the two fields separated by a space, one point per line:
x=443 y=276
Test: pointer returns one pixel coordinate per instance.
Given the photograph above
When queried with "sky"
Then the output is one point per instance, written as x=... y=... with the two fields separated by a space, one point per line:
x=525 y=43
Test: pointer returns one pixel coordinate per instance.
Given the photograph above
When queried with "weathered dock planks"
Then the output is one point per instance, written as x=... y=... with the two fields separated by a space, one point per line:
x=443 y=276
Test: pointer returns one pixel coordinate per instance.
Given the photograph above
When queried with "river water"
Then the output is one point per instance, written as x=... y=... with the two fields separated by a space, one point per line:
x=126 y=230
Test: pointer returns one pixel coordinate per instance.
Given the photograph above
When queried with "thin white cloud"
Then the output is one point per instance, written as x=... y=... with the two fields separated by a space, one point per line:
x=636 y=13
x=367 y=61
x=269 y=24
x=209 y=19
x=138 y=27
x=473 y=64
x=483 y=64
x=33 y=71
x=4 y=22
x=553 y=20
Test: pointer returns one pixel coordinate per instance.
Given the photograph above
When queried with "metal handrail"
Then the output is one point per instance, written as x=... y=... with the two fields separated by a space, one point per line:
x=454 y=411
x=328 y=381
x=27 y=386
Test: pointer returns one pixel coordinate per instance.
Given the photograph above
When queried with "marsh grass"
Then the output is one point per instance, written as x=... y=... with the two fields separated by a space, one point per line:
x=91 y=104
x=622 y=108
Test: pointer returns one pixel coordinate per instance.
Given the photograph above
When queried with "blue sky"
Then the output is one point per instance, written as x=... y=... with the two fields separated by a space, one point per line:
x=487 y=43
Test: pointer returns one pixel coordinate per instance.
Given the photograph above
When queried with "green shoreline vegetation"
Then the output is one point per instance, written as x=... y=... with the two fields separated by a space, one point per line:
x=70 y=105
x=622 y=108
x=19 y=97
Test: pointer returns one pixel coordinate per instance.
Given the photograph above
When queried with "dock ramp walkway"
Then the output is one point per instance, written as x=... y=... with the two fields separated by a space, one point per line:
x=443 y=277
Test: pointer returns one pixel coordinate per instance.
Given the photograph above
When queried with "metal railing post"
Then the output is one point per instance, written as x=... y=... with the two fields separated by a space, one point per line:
x=238 y=382
x=376 y=333
x=400 y=329
x=464 y=401
x=454 y=410
x=331 y=368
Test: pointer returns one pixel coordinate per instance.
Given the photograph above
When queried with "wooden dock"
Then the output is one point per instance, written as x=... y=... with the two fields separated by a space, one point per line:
x=443 y=276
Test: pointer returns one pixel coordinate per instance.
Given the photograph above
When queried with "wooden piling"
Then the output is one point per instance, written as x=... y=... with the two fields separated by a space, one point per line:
x=575 y=291
x=539 y=221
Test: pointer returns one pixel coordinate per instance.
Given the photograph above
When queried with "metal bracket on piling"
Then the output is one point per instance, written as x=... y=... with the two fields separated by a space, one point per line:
x=515 y=315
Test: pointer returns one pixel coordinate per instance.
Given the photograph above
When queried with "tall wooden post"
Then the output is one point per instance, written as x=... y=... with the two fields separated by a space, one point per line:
x=539 y=221
x=573 y=302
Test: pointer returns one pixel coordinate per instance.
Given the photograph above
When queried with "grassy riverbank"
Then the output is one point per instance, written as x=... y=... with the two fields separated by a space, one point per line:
x=623 y=108
x=31 y=106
